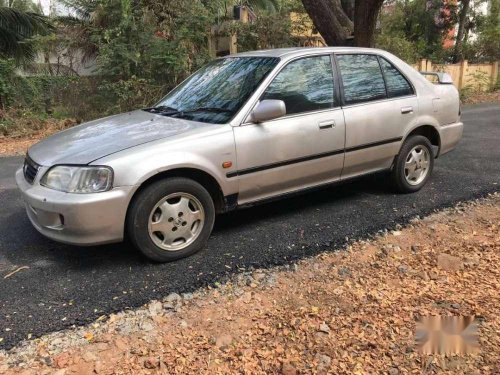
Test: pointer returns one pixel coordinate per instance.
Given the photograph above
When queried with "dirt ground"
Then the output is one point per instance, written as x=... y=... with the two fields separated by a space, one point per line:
x=485 y=97
x=347 y=312
x=16 y=146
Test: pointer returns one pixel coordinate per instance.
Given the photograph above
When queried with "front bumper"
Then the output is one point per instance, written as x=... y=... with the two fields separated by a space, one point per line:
x=450 y=136
x=79 y=219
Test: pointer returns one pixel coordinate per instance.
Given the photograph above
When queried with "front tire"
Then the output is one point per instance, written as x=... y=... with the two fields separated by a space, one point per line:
x=414 y=164
x=171 y=219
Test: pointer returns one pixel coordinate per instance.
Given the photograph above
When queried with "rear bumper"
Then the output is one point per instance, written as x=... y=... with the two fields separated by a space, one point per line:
x=450 y=135
x=79 y=219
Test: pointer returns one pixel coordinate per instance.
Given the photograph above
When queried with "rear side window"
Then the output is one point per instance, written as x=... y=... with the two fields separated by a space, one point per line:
x=362 y=78
x=304 y=85
x=397 y=84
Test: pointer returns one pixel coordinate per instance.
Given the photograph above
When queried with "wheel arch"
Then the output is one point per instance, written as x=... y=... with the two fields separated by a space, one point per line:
x=428 y=131
x=203 y=178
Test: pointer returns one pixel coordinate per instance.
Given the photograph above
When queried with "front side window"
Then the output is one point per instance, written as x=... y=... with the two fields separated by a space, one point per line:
x=217 y=91
x=362 y=78
x=396 y=83
x=304 y=85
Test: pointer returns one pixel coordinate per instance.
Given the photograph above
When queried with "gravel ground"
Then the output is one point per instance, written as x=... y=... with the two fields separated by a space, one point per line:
x=348 y=312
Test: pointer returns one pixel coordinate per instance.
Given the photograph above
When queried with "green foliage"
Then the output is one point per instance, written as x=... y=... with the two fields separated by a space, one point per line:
x=24 y=122
x=16 y=29
x=268 y=31
x=271 y=29
x=130 y=94
x=143 y=48
x=156 y=41
x=486 y=47
x=480 y=82
x=7 y=75
x=399 y=46
x=410 y=30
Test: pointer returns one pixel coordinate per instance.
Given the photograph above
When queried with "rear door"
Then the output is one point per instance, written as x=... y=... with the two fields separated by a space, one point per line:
x=301 y=149
x=378 y=103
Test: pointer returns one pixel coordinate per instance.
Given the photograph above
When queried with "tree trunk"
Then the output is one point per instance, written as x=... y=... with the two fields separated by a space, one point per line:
x=462 y=19
x=365 y=20
x=47 y=100
x=348 y=6
x=334 y=20
x=330 y=20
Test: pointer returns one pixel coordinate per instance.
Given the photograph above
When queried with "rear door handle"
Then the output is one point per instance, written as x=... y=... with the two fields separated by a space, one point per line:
x=327 y=124
x=405 y=110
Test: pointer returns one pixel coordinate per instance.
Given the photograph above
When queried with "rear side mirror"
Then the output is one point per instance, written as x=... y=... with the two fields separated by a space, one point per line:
x=268 y=110
x=442 y=78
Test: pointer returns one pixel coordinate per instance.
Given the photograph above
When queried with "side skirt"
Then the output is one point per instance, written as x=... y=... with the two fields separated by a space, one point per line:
x=231 y=201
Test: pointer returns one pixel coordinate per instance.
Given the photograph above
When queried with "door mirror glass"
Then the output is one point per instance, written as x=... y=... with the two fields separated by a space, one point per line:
x=268 y=110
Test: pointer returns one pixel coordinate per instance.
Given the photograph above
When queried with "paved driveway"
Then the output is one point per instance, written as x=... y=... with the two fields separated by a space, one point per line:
x=67 y=285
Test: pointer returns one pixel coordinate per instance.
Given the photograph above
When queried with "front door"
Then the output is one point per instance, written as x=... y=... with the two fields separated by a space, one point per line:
x=303 y=148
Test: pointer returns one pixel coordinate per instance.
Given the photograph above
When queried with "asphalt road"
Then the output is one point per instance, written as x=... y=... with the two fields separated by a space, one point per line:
x=66 y=285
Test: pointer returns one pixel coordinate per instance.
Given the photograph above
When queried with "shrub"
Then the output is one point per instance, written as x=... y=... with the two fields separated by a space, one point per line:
x=398 y=46
x=7 y=75
x=25 y=123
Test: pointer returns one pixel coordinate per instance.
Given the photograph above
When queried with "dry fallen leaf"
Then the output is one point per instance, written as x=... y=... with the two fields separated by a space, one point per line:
x=88 y=336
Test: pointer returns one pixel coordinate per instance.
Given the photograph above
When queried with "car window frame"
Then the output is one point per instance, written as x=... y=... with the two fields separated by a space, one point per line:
x=367 y=102
x=336 y=102
x=342 y=88
x=336 y=89
x=380 y=58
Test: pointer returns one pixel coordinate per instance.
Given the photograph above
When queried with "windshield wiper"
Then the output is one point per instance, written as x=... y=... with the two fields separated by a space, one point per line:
x=170 y=111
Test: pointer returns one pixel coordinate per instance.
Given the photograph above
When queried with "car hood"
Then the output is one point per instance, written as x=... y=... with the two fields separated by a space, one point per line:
x=93 y=140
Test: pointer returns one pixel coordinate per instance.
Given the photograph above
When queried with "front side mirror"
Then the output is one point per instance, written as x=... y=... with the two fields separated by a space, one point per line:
x=268 y=110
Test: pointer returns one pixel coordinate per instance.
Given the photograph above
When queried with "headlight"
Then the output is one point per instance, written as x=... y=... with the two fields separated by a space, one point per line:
x=80 y=180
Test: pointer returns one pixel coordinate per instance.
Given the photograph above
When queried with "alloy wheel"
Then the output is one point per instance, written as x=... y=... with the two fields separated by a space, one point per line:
x=417 y=165
x=176 y=221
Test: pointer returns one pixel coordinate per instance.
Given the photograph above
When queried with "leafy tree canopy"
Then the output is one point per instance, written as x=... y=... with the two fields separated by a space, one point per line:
x=19 y=22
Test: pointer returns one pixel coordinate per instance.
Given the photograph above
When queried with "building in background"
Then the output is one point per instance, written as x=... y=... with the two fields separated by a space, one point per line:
x=58 y=60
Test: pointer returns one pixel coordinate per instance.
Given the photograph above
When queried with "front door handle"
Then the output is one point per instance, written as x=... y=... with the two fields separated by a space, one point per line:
x=327 y=124
x=405 y=110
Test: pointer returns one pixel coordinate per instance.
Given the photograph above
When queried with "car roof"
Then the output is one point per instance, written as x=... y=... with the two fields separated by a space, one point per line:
x=301 y=51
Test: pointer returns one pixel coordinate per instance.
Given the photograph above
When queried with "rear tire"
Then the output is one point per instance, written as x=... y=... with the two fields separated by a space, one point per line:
x=171 y=219
x=414 y=164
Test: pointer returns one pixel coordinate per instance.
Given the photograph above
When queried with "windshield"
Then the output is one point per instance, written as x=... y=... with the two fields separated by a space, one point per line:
x=217 y=91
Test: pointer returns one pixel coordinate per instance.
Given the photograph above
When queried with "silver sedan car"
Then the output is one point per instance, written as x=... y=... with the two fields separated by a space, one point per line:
x=242 y=130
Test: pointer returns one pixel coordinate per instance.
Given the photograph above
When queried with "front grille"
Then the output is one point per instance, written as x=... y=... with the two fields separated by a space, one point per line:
x=30 y=169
